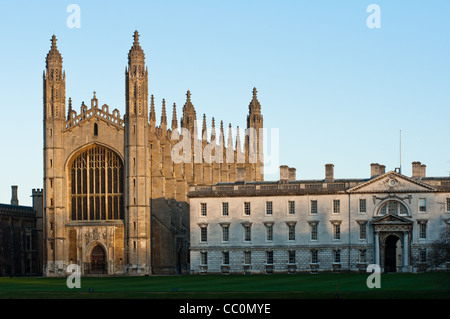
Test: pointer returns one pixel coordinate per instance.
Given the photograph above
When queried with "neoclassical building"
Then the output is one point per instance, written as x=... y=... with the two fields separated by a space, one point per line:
x=327 y=224
x=115 y=195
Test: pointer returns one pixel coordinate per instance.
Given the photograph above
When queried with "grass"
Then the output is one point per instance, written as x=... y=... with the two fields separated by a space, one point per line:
x=303 y=286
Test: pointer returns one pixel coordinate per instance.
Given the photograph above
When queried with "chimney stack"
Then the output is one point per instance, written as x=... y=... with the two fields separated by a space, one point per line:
x=374 y=170
x=284 y=173
x=292 y=174
x=329 y=172
x=423 y=168
x=416 y=170
x=14 y=199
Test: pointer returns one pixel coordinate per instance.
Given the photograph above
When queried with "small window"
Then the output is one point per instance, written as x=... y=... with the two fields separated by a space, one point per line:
x=225 y=209
x=314 y=256
x=269 y=208
x=422 y=205
x=247 y=257
x=336 y=206
x=269 y=257
x=203 y=209
x=362 y=231
x=225 y=233
x=95 y=129
x=226 y=257
x=203 y=258
x=336 y=231
x=423 y=230
x=203 y=234
x=291 y=254
x=291 y=207
x=291 y=231
x=337 y=256
x=269 y=232
x=247 y=233
x=362 y=206
x=247 y=208
x=447 y=204
x=423 y=255
x=314 y=207
x=362 y=255
x=314 y=231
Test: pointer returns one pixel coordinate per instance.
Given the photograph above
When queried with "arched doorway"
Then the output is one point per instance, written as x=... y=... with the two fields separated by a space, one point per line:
x=392 y=253
x=98 y=261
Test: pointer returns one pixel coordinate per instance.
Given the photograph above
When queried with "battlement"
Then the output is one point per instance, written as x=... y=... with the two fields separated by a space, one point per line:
x=37 y=192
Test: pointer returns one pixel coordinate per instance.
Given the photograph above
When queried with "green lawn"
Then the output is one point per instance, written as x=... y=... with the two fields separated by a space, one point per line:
x=425 y=285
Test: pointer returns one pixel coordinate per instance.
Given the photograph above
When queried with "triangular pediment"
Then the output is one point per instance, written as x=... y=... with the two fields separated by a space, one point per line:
x=390 y=219
x=392 y=182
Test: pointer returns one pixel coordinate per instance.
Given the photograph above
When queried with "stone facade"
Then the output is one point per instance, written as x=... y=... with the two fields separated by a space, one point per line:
x=331 y=224
x=115 y=198
x=21 y=236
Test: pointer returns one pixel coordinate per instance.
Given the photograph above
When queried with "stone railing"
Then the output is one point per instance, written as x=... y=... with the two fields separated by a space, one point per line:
x=266 y=188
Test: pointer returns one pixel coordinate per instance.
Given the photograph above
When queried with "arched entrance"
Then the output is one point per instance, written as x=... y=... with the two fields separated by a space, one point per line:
x=392 y=253
x=97 y=263
x=392 y=237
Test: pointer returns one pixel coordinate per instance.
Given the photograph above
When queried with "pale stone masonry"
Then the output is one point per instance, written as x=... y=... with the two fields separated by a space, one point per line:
x=114 y=197
x=331 y=224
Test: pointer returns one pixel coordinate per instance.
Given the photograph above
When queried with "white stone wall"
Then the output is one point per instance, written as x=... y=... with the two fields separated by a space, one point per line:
x=349 y=217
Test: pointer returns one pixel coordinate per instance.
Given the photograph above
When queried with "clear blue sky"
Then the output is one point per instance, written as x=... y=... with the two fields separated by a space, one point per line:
x=338 y=91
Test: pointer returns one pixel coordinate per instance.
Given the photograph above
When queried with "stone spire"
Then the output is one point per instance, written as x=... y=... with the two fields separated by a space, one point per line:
x=136 y=54
x=254 y=106
x=189 y=115
x=230 y=138
x=213 y=131
x=221 y=135
x=163 y=114
x=54 y=84
x=54 y=58
x=136 y=81
x=238 y=141
x=174 y=117
x=152 y=111
x=204 y=137
x=69 y=108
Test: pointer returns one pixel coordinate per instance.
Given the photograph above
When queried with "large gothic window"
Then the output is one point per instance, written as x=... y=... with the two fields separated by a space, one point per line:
x=96 y=177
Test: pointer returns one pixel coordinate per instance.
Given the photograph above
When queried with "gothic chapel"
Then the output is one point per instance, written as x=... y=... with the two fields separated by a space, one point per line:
x=115 y=202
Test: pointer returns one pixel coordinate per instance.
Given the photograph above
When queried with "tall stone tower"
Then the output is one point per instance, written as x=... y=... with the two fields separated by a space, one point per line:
x=137 y=188
x=253 y=141
x=54 y=123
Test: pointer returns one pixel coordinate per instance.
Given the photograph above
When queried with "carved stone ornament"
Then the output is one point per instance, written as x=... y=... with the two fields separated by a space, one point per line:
x=391 y=182
x=95 y=234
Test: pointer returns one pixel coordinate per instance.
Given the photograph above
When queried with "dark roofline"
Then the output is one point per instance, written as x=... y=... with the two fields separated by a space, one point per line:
x=16 y=208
